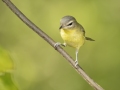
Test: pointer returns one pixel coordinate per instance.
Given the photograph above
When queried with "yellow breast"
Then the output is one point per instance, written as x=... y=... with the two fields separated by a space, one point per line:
x=74 y=38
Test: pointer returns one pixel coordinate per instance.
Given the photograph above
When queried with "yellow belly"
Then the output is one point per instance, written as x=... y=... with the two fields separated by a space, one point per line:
x=73 y=38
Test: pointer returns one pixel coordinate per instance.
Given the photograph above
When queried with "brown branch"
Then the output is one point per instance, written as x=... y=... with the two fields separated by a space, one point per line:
x=51 y=42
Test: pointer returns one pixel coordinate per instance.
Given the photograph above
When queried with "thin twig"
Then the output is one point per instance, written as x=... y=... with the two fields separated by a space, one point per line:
x=51 y=42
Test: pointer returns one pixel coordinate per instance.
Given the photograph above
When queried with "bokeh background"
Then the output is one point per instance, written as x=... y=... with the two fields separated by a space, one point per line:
x=39 y=67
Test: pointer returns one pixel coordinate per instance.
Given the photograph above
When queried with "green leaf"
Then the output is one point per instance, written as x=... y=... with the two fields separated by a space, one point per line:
x=6 y=63
x=6 y=82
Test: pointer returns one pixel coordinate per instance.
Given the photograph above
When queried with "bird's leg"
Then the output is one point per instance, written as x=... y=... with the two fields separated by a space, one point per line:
x=76 y=61
x=58 y=43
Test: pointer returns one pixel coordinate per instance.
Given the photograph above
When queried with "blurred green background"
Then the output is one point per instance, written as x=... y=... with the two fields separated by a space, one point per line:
x=39 y=67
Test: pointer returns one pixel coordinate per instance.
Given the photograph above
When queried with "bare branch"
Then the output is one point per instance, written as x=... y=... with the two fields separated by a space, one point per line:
x=51 y=42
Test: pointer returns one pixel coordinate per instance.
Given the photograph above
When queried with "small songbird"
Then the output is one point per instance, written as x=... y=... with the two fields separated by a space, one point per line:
x=72 y=33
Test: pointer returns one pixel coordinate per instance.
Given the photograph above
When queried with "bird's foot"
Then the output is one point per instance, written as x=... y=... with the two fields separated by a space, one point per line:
x=57 y=44
x=76 y=63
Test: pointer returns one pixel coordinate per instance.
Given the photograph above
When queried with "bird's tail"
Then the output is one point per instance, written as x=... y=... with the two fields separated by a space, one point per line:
x=90 y=39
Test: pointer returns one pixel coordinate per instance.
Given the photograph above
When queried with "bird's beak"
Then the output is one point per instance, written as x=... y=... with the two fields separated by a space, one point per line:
x=61 y=27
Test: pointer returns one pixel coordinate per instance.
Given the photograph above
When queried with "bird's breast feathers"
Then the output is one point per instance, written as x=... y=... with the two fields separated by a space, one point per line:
x=73 y=38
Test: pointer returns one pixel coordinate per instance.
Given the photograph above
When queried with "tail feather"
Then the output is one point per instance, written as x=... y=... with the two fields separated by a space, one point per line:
x=90 y=39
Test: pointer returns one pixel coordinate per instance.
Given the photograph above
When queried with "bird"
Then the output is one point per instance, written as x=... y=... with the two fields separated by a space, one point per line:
x=73 y=34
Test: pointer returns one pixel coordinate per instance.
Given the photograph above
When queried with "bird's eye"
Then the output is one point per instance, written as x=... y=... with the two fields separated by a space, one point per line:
x=70 y=24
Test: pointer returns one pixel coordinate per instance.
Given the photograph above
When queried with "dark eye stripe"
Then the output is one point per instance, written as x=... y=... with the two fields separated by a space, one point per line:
x=70 y=24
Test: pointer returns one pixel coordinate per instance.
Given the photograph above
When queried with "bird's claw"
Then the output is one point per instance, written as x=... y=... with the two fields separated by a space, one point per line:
x=76 y=63
x=57 y=44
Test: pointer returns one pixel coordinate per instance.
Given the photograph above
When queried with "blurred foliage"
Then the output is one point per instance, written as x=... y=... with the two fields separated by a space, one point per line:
x=6 y=66
x=39 y=67
x=6 y=63
x=6 y=82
